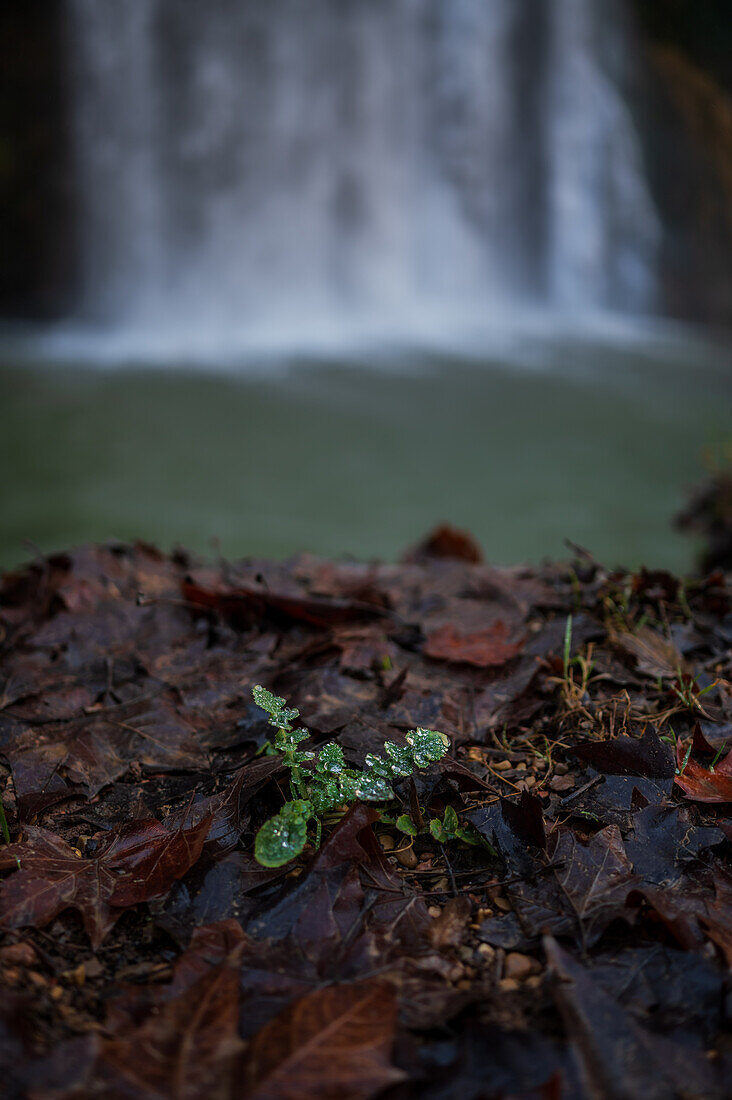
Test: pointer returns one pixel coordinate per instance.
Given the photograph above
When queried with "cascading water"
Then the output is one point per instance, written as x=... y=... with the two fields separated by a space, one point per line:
x=285 y=164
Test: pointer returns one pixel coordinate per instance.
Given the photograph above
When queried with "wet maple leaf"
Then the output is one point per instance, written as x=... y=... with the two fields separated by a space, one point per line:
x=333 y=1044
x=141 y=862
x=484 y=648
x=53 y=877
x=704 y=785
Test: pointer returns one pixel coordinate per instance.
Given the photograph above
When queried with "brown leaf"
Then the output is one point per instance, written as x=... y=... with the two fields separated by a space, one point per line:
x=484 y=648
x=151 y=858
x=188 y=1050
x=333 y=1044
x=141 y=862
x=52 y=877
x=654 y=655
x=596 y=878
x=246 y=606
x=449 y=928
x=445 y=542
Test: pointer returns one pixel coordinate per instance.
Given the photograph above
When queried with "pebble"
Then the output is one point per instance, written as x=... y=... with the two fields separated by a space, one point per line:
x=561 y=769
x=508 y=985
x=434 y=911
x=386 y=842
x=518 y=966
x=486 y=952
x=407 y=858
x=502 y=766
x=19 y=954
x=562 y=782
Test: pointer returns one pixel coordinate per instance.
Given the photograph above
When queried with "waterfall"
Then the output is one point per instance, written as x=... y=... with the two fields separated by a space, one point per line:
x=253 y=162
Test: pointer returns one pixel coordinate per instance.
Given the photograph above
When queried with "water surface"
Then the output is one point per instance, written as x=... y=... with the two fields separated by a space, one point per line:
x=591 y=442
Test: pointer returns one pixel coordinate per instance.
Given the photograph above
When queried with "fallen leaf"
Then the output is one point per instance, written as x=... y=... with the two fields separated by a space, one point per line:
x=619 y=1058
x=653 y=654
x=704 y=785
x=484 y=648
x=445 y=542
x=333 y=1044
x=141 y=862
x=246 y=606
x=187 y=1050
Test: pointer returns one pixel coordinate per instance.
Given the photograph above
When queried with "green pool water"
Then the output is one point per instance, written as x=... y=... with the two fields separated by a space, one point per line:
x=594 y=443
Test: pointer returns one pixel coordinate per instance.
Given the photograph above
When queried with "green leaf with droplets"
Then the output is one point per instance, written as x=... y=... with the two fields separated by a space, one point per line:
x=428 y=746
x=280 y=839
x=377 y=766
x=373 y=788
x=399 y=758
x=330 y=759
x=280 y=715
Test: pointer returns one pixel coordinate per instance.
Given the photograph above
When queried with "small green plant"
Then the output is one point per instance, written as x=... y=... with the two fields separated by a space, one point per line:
x=4 y=823
x=321 y=782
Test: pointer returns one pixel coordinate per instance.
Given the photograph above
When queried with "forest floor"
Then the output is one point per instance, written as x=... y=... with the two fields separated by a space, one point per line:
x=583 y=950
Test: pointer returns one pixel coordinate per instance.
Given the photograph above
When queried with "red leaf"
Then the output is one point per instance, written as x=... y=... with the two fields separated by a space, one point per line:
x=333 y=1044
x=484 y=648
x=152 y=858
x=704 y=785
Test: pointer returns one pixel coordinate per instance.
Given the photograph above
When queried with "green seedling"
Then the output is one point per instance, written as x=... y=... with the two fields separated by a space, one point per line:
x=449 y=828
x=4 y=823
x=688 y=692
x=320 y=782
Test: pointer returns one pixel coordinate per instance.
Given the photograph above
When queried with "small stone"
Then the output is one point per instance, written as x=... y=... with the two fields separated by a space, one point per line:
x=77 y=976
x=533 y=982
x=442 y=885
x=561 y=769
x=434 y=911
x=518 y=966
x=19 y=954
x=486 y=952
x=93 y=968
x=508 y=985
x=407 y=858
x=562 y=782
x=529 y=781
x=56 y=992
x=502 y=766
x=386 y=842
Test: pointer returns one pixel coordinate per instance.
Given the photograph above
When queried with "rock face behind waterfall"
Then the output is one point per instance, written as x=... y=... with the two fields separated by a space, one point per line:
x=572 y=154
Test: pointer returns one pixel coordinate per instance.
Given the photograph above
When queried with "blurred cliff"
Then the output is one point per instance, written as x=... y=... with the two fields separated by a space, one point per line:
x=679 y=94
